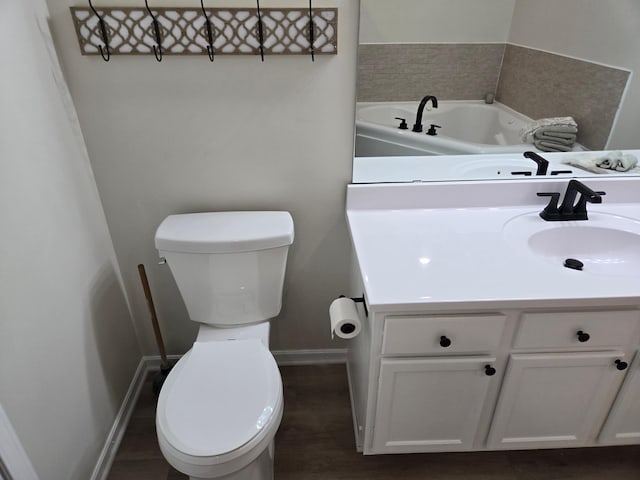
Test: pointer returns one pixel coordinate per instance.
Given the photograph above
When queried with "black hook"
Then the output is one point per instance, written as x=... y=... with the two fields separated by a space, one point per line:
x=260 y=32
x=103 y=31
x=209 y=32
x=157 y=49
x=311 y=33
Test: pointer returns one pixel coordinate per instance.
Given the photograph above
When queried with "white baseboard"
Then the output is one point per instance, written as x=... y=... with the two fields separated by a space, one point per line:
x=105 y=460
x=283 y=357
x=152 y=362
x=310 y=357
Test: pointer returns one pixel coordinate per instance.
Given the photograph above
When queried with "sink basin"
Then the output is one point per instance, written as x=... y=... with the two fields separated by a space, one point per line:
x=606 y=244
x=492 y=168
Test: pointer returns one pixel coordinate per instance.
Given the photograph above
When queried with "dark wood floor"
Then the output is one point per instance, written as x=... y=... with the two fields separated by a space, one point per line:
x=315 y=441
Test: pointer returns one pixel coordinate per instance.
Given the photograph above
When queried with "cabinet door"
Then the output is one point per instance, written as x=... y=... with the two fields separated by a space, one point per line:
x=554 y=400
x=623 y=423
x=430 y=404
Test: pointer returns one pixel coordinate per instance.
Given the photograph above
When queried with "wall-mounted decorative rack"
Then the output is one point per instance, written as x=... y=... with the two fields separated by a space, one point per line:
x=110 y=31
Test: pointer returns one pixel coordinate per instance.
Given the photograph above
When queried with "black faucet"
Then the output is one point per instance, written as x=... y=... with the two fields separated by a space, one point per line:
x=542 y=162
x=417 y=127
x=570 y=209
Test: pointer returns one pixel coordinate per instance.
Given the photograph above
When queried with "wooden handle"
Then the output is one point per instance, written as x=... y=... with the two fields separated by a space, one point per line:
x=154 y=317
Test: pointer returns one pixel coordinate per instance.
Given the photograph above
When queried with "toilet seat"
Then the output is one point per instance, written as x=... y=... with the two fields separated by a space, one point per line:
x=219 y=405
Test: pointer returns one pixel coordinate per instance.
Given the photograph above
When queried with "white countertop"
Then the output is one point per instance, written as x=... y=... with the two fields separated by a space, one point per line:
x=428 y=245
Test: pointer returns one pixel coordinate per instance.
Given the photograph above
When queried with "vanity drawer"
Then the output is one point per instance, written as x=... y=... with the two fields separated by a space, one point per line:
x=577 y=329
x=445 y=334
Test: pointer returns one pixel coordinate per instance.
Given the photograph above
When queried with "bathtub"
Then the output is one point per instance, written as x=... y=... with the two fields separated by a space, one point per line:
x=468 y=127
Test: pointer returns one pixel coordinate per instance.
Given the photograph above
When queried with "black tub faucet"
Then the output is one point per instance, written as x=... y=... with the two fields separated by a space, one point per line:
x=542 y=162
x=570 y=209
x=417 y=127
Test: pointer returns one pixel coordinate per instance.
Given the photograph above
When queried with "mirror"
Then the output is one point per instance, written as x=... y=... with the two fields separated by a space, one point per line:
x=495 y=67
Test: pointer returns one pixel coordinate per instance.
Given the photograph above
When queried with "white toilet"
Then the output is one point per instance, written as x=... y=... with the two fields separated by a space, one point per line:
x=221 y=405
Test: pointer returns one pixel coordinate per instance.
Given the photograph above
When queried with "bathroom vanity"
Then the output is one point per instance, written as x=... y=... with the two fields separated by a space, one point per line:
x=476 y=336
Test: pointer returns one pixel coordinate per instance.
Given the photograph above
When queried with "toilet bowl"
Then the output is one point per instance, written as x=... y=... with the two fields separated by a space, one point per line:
x=220 y=408
x=221 y=404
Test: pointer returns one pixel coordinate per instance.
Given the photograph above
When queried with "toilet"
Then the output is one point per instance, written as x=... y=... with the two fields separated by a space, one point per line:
x=221 y=404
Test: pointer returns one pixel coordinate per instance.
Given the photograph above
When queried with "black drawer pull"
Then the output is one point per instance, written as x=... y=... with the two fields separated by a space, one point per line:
x=444 y=341
x=620 y=365
x=489 y=371
x=583 y=336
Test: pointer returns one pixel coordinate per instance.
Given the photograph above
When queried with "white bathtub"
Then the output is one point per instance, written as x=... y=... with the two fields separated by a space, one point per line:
x=467 y=127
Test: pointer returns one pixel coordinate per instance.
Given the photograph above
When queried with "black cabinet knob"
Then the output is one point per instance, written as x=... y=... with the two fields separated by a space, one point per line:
x=583 y=336
x=620 y=365
x=444 y=341
x=489 y=370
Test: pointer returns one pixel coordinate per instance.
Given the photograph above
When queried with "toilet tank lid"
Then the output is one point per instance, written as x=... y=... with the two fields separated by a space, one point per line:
x=224 y=232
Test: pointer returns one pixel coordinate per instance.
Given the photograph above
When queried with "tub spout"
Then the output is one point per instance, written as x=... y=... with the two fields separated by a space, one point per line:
x=417 y=127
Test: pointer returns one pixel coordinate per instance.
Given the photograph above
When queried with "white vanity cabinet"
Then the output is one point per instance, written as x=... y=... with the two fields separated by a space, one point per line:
x=623 y=424
x=554 y=399
x=561 y=399
x=499 y=380
x=458 y=276
x=430 y=404
x=433 y=399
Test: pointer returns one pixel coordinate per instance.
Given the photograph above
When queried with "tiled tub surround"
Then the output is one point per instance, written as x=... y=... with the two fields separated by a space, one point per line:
x=536 y=83
x=408 y=71
x=540 y=84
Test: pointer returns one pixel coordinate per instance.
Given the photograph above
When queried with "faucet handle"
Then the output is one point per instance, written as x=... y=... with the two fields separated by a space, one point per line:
x=432 y=129
x=555 y=197
x=581 y=205
x=550 y=212
x=403 y=123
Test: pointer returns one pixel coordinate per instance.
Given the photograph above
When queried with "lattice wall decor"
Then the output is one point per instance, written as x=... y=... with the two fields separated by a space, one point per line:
x=183 y=30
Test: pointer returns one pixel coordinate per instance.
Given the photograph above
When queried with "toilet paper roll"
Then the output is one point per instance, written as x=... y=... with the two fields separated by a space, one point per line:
x=345 y=321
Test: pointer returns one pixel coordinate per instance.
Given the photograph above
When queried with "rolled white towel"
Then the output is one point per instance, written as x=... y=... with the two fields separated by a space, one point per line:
x=617 y=161
x=601 y=164
x=588 y=164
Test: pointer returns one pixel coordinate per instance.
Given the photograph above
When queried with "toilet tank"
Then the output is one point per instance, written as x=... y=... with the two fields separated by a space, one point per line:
x=229 y=266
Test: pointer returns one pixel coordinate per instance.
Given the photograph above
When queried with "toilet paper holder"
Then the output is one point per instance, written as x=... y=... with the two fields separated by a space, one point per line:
x=359 y=300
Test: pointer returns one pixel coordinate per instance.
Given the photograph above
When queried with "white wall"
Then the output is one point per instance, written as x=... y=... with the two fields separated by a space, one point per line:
x=188 y=135
x=458 y=21
x=67 y=346
x=603 y=32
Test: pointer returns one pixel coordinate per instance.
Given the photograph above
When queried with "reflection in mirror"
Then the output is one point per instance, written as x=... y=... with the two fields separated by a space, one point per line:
x=508 y=77
x=509 y=166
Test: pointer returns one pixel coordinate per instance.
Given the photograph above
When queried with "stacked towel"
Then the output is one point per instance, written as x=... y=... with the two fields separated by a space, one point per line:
x=555 y=134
